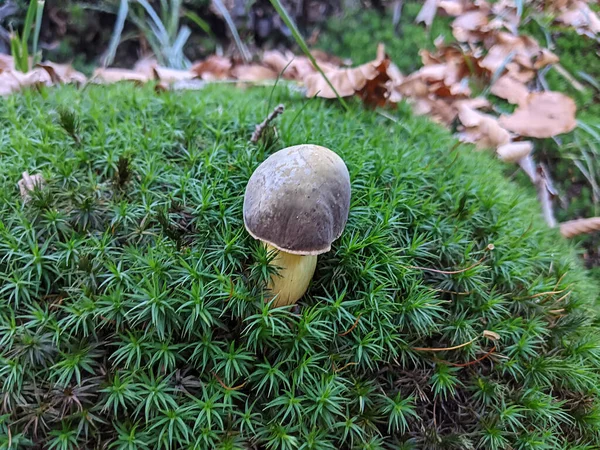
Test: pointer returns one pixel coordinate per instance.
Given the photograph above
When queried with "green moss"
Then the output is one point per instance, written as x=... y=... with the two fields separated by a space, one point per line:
x=131 y=306
x=356 y=35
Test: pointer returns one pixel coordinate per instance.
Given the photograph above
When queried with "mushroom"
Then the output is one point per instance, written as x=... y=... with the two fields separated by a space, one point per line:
x=297 y=204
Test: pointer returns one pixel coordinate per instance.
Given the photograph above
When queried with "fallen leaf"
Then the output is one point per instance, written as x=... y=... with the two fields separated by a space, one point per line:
x=492 y=335
x=213 y=68
x=452 y=7
x=168 y=76
x=63 y=73
x=581 y=17
x=28 y=183
x=514 y=151
x=468 y=26
x=294 y=67
x=253 y=72
x=346 y=81
x=375 y=91
x=519 y=73
x=542 y=115
x=8 y=83
x=545 y=58
x=579 y=226
x=482 y=129
x=427 y=12
x=112 y=75
x=6 y=62
x=510 y=89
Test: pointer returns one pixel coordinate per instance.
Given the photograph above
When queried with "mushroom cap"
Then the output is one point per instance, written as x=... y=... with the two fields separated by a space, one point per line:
x=298 y=200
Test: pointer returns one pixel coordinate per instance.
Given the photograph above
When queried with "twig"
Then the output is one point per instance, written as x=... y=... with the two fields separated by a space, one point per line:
x=540 y=179
x=260 y=128
x=351 y=328
x=228 y=387
x=434 y=349
x=470 y=363
x=448 y=272
x=343 y=367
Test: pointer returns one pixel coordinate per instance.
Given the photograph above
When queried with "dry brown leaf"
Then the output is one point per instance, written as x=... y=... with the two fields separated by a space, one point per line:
x=581 y=17
x=112 y=75
x=376 y=90
x=452 y=7
x=510 y=89
x=28 y=183
x=514 y=151
x=6 y=62
x=8 y=83
x=346 y=81
x=253 y=72
x=519 y=73
x=492 y=335
x=150 y=68
x=213 y=68
x=579 y=226
x=168 y=76
x=468 y=26
x=545 y=58
x=427 y=12
x=294 y=67
x=474 y=103
x=482 y=129
x=517 y=49
x=63 y=73
x=543 y=115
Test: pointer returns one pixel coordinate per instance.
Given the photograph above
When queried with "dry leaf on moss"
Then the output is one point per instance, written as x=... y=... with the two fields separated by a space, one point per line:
x=346 y=81
x=469 y=27
x=63 y=73
x=579 y=226
x=427 y=12
x=115 y=75
x=28 y=183
x=168 y=76
x=581 y=17
x=6 y=62
x=481 y=129
x=452 y=7
x=213 y=68
x=545 y=58
x=295 y=67
x=514 y=151
x=542 y=115
x=510 y=89
x=492 y=335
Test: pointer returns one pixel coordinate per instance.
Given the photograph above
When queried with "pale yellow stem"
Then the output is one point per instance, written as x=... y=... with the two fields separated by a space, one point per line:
x=295 y=273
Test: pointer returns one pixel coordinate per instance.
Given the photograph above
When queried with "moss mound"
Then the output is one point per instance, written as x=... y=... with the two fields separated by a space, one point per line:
x=131 y=304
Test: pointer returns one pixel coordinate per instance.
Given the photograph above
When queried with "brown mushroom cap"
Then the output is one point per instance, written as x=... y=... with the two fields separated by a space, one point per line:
x=298 y=199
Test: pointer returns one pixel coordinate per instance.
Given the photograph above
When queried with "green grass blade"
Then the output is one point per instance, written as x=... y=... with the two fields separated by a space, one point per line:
x=302 y=43
x=115 y=38
x=160 y=28
x=15 y=50
x=29 y=20
x=38 y=26
x=173 y=25
x=202 y=24
x=236 y=37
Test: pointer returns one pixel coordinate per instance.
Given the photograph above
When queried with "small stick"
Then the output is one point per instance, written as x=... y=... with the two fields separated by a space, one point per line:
x=260 y=128
x=447 y=272
x=352 y=327
x=433 y=349
x=470 y=363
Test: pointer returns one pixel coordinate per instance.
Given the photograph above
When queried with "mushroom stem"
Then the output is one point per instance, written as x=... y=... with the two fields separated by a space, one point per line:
x=295 y=273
